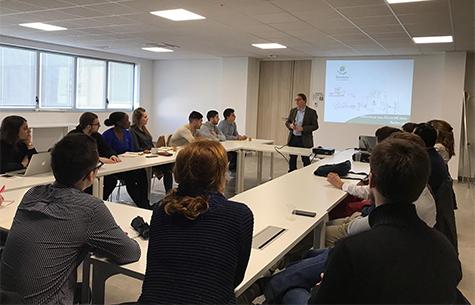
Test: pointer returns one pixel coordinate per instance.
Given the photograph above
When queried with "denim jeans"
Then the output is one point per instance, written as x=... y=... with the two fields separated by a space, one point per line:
x=300 y=276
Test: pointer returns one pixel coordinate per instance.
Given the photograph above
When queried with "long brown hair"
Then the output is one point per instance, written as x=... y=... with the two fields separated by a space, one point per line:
x=445 y=135
x=137 y=116
x=200 y=169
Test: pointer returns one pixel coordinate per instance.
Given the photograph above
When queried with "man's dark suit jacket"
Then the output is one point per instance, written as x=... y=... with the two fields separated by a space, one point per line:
x=309 y=124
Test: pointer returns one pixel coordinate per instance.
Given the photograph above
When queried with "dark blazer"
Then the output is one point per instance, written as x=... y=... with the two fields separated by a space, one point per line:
x=399 y=261
x=310 y=124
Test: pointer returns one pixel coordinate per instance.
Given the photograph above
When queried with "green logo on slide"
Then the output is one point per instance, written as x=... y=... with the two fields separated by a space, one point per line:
x=342 y=70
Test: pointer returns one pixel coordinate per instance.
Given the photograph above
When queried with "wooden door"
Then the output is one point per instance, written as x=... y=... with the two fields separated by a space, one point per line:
x=279 y=82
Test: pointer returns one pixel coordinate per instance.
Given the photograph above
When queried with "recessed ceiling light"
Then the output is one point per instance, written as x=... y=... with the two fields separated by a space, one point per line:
x=157 y=49
x=269 y=46
x=433 y=39
x=178 y=15
x=404 y=1
x=43 y=26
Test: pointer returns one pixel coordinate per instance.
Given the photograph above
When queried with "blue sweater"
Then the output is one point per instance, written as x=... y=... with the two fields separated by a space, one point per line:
x=118 y=146
x=198 y=261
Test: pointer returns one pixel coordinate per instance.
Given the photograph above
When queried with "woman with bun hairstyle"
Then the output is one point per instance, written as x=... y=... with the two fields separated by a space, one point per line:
x=445 y=139
x=200 y=242
x=120 y=140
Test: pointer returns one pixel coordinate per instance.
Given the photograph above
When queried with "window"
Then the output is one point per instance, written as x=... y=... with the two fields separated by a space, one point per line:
x=17 y=78
x=91 y=84
x=120 y=86
x=56 y=81
x=37 y=79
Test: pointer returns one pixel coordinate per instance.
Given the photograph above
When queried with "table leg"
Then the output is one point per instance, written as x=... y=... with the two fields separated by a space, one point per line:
x=259 y=167
x=272 y=165
x=240 y=171
x=98 y=187
x=86 y=270
x=319 y=233
x=101 y=271
x=149 y=174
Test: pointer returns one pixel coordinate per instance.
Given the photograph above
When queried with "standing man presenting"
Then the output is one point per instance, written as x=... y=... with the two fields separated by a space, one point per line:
x=302 y=121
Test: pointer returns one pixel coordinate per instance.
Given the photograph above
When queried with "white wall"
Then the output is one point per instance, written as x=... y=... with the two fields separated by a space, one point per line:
x=66 y=117
x=181 y=86
x=437 y=93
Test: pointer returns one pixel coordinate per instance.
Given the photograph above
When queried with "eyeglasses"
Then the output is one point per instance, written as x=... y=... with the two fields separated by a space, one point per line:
x=98 y=166
x=98 y=124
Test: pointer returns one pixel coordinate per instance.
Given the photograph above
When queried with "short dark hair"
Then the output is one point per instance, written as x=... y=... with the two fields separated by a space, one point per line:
x=383 y=132
x=115 y=118
x=303 y=96
x=73 y=157
x=407 y=136
x=211 y=114
x=427 y=133
x=10 y=128
x=227 y=112
x=409 y=127
x=195 y=115
x=400 y=170
x=86 y=119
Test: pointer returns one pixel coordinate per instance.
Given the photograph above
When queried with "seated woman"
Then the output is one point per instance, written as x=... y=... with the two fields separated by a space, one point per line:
x=200 y=242
x=16 y=147
x=120 y=140
x=143 y=141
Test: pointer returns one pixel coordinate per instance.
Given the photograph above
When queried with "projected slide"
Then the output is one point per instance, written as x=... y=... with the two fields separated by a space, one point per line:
x=368 y=91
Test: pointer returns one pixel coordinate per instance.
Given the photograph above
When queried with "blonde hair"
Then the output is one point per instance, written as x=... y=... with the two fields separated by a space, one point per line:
x=200 y=169
x=445 y=135
x=136 y=116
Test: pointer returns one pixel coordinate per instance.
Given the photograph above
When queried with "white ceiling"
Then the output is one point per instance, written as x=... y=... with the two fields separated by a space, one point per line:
x=308 y=27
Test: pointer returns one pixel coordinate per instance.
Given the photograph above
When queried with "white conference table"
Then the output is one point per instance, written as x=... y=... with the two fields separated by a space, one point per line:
x=272 y=204
x=133 y=161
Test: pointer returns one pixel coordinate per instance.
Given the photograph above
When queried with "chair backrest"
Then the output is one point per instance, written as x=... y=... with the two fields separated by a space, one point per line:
x=161 y=142
x=445 y=217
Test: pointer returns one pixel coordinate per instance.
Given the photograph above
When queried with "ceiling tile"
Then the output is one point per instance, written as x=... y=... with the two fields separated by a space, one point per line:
x=353 y=3
x=83 y=12
x=276 y=18
x=381 y=29
x=19 y=6
x=47 y=4
x=113 y=9
x=377 y=20
x=366 y=11
x=291 y=26
x=302 y=5
x=421 y=7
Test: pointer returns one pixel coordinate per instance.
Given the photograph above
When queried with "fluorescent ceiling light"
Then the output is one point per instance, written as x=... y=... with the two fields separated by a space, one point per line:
x=43 y=26
x=269 y=46
x=157 y=49
x=433 y=39
x=403 y=1
x=178 y=15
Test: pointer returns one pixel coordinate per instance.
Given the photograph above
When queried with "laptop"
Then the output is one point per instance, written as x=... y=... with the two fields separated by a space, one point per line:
x=367 y=143
x=39 y=164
